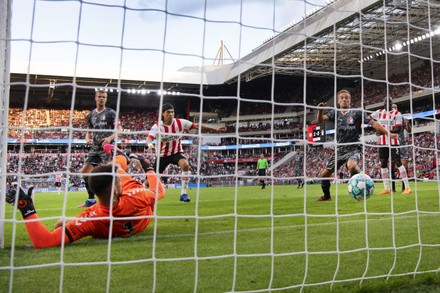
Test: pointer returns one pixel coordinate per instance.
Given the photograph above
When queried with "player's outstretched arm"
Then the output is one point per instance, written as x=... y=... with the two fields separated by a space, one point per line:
x=111 y=137
x=40 y=236
x=155 y=187
x=120 y=159
x=141 y=161
x=150 y=145
x=206 y=128
x=381 y=130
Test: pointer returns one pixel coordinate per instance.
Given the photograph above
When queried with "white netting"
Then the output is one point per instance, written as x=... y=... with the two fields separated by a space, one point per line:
x=276 y=62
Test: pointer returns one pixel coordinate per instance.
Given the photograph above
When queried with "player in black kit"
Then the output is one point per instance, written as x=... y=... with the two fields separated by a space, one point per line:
x=298 y=159
x=101 y=118
x=348 y=126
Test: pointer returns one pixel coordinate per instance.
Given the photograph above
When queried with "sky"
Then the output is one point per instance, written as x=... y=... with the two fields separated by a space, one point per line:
x=144 y=36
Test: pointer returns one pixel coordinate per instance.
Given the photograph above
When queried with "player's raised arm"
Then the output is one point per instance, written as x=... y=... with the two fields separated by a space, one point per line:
x=206 y=128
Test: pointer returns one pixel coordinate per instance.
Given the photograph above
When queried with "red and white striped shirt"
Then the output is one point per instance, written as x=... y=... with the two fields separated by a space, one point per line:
x=389 y=120
x=170 y=136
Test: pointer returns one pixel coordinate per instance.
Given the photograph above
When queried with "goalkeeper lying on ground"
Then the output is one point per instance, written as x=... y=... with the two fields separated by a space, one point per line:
x=133 y=206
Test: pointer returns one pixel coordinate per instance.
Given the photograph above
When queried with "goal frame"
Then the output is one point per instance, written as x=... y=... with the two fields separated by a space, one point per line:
x=5 y=54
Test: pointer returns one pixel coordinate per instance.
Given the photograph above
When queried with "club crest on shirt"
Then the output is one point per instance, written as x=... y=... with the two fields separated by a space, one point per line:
x=350 y=120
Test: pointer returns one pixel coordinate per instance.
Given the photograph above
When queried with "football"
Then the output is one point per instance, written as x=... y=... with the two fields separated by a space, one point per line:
x=360 y=186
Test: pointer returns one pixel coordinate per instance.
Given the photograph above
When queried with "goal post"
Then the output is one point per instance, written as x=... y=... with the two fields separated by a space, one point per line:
x=5 y=46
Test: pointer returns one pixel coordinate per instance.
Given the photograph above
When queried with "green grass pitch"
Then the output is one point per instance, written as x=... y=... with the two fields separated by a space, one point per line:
x=242 y=239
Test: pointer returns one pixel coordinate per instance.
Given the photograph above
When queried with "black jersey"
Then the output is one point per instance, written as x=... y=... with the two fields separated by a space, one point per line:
x=349 y=125
x=99 y=121
x=298 y=158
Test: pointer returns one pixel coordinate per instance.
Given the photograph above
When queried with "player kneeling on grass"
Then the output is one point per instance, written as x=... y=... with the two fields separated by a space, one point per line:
x=132 y=207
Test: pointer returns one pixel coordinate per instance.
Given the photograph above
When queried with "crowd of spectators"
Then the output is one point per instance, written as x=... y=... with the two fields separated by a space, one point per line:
x=367 y=93
x=54 y=123
x=42 y=123
x=39 y=168
x=45 y=123
x=38 y=124
x=421 y=165
x=399 y=85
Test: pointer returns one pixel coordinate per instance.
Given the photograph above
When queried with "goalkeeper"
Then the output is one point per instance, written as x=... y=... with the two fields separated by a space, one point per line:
x=132 y=206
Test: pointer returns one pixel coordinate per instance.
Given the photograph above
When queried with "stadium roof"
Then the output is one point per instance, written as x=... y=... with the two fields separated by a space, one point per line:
x=334 y=40
x=338 y=39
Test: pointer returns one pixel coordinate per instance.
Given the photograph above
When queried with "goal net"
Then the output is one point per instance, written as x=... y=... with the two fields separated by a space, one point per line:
x=249 y=76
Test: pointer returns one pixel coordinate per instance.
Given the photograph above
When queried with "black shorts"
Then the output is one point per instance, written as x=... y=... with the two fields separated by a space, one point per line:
x=405 y=153
x=57 y=184
x=344 y=154
x=261 y=172
x=165 y=161
x=384 y=153
x=96 y=156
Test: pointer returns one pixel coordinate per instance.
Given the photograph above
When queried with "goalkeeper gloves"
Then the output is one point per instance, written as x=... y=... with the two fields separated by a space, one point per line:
x=145 y=163
x=109 y=149
x=24 y=203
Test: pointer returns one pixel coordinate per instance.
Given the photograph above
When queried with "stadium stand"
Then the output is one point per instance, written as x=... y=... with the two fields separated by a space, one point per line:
x=252 y=125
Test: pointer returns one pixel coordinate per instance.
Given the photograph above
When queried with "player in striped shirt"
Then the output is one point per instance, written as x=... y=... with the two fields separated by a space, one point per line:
x=168 y=135
x=405 y=151
x=392 y=120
